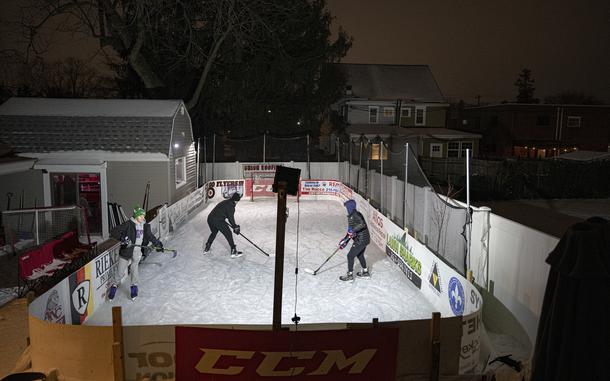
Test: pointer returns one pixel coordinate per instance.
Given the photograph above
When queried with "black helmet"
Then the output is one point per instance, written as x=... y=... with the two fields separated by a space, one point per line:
x=235 y=197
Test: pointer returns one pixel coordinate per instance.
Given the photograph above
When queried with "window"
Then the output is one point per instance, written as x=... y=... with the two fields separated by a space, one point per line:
x=436 y=150
x=543 y=120
x=458 y=149
x=453 y=149
x=375 y=154
x=373 y=112
x=464 y=147
x=405 y=112
x=388 y=112
x=574 y=121
x=493 y=121
x=420 y=115
x=180 y=171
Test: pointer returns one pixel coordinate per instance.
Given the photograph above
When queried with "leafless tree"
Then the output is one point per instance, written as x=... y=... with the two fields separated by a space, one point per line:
x=187 y=33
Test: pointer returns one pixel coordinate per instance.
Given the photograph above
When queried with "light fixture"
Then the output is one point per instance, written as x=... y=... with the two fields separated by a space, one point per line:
x=269 y=111
x=298 y=123
x=176 y=145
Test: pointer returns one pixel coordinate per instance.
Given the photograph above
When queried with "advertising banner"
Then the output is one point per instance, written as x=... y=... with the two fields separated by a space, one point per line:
x=320 y=188
x=263 y=169
x=54 y=305
x=149 y=352
x=223 y=189
x=217 y=354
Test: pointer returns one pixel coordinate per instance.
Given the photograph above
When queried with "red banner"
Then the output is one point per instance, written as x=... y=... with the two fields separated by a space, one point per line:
x=204 y=354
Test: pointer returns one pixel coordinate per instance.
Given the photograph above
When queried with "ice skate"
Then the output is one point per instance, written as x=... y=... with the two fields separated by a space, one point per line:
x=207 y=248
x=348 y=276
x=112 y=292
x=364 y=273
x=235 y=253
x=134 y=291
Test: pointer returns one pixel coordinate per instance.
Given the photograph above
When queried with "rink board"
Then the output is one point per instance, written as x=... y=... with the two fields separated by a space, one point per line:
x=445 y=289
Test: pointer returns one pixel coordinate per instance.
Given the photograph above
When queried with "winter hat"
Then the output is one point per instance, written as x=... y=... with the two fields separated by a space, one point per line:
x=137 y=212
x=235 y=197
x=350 y=205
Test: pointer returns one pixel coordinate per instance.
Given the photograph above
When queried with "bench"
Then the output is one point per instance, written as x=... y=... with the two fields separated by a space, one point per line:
x=40 y=263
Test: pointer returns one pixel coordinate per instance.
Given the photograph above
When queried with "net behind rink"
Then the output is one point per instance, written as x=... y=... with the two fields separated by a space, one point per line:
x=29 y=227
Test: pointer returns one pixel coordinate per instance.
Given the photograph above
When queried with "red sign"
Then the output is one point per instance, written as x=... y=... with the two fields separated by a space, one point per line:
x=204 y=354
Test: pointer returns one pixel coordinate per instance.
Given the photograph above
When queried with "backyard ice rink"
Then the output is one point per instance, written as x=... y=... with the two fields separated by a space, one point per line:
x=194 y=288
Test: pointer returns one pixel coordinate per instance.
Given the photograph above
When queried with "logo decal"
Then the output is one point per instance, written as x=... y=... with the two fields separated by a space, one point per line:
x=456 y=296
x=54 y=312
x=80 y=297
x=434 y=280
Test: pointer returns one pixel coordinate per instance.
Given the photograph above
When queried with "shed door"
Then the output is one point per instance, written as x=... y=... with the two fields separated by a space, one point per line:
x=81 y=189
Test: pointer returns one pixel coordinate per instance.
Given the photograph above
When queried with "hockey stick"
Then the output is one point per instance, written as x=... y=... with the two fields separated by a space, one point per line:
x=312 y=272
x=165 y=250
x=253 y=244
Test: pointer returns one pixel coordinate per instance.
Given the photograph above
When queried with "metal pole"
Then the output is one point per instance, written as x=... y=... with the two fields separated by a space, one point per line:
x=368 y=168
x=36 y=223
x=469 y=216
x=198 y=147
x=349 y=167
x=279 y=256
x=205 y=159
x=404 y=212
x=264 y=145
x=381 y=177
x=308 y=160
x=359 y=168
x=213 y=155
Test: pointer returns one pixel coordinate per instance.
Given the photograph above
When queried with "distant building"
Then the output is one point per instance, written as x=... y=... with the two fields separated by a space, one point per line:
x=536 y=130
x=400 y=104
x=94 y=151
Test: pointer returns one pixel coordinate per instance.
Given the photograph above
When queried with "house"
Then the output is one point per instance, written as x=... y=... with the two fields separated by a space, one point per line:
x=400 y=104
x=537 y=130
x=92 y=152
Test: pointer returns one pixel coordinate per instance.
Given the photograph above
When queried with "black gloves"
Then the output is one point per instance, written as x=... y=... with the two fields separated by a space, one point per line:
x=236 y=229
x=125 y=241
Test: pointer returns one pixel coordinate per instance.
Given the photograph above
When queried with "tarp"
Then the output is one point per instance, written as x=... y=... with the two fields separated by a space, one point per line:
x=573 y=338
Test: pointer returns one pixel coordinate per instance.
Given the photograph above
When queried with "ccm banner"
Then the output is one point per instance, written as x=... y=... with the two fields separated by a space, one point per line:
x=204 y=354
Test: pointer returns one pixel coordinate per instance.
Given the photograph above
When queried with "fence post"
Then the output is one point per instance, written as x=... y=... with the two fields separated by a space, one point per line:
x=198 y=149
x=404 y=210
x=264 y=145
x=213 y=155
x=359 y=168
x=308 y=160
x=469 y=215
x=382 y=195
x=393 y=200
x=205 y=160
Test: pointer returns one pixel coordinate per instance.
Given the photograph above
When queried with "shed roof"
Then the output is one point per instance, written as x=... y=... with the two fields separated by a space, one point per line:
x=34 y=125
x=149 y=108
x=413 y=83
x=431 y=132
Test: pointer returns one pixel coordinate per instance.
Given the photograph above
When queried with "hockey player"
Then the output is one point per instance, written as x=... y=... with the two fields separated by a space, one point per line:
x=134 y=231
x=225 y=210
x=358 y=232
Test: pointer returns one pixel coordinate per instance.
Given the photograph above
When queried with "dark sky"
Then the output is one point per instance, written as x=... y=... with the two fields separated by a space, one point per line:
x=480 y=46
x=474 y=47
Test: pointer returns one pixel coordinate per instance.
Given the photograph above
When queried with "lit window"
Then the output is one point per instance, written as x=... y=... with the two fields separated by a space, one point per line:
x=375 y=148
x=388 y=112
x=574 y=121
x=373 y=113
x=180 y=169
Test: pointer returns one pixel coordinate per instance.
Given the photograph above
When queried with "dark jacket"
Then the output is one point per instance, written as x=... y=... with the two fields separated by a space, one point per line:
x=224 y=210
x=128 y=229
x=358 y=225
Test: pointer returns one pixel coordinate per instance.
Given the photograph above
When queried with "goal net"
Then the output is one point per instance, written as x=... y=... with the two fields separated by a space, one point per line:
x=30 y=227
x=261 y=185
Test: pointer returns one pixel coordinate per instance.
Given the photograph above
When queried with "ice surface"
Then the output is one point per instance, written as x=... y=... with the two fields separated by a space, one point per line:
x=195 y=288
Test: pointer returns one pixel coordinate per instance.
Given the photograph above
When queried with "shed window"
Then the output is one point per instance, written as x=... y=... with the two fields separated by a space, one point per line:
x=180 y=171
x=574 y=121
x=373 y=111
x=388 y=112
x=420 y=115
x=436 y=150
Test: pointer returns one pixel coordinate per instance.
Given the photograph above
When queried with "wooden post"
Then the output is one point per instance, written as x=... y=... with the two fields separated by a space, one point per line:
x=435 y=346
x=117 y=345
x=279 y=256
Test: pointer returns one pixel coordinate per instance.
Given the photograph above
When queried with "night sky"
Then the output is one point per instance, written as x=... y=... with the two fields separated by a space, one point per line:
x=474 y=47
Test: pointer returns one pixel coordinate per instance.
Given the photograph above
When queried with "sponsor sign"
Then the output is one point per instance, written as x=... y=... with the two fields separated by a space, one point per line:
x=216 y=354
x=320 y=187
x=226 y=188
x=345 y=192
x=404 y=258
x=260 y=187
x=378 y=232
x=455 y=295
x=264 y=169
x=54 y=311
x=149 y=352
x=469 y=352
x=81 y=303
x=434 y=280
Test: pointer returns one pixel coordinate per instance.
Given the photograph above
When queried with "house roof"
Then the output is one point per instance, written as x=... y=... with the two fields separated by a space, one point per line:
x=149 y=108
x=31 y=125
x=532 y=106
x=387 y=130
x=411 y=83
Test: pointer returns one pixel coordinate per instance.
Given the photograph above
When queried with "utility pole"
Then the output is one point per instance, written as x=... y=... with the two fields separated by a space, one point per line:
x=478 y=100
x=280 y=234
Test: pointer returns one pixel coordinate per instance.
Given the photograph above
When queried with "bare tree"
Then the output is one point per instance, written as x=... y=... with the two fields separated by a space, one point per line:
x=184 y=35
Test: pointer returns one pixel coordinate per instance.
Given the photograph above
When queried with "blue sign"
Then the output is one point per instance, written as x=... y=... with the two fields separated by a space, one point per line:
x=455 y=291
